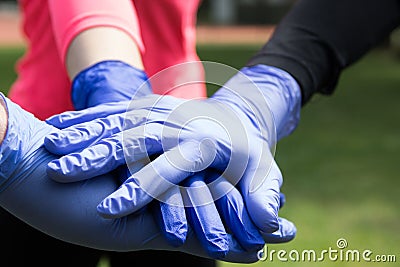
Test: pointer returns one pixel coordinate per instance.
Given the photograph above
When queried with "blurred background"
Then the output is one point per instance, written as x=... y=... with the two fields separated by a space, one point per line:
x=341 y=166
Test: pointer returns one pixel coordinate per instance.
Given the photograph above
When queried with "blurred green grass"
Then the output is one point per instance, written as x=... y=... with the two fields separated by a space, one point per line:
x=8 y=57
x=341 y=166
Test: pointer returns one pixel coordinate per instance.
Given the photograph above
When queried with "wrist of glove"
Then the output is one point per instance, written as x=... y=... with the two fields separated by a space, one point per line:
x=108 y=81
x=270 y=96
x=19 y=144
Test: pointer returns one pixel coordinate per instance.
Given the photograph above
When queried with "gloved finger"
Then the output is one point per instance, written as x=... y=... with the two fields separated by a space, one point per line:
x=282 y=200
x=107 y=155
x=80 y=136
x=260 y=188
x=233 y=211
x=286 y=232
x=80 y=224
x=170 y=215
x=167 y=170
x=235 y=253
x=69 y=118
x=203 y=216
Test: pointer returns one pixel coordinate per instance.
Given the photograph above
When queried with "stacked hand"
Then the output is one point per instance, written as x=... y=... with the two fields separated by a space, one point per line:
x=218 y=150
x=111 y=82
x=68 y=211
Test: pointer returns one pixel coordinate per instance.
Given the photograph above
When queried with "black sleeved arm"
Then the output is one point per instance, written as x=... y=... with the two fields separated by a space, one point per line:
x=317 y=39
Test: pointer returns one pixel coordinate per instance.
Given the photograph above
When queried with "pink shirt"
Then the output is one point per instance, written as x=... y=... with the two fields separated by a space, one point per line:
x=164 y=30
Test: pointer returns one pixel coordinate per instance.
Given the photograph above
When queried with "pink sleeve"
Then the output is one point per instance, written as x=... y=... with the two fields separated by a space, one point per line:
x=171 y=40
x=71 y=17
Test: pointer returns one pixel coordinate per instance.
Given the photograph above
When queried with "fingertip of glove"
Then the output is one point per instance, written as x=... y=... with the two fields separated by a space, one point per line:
x=287 y=231
x=289 y=228
x=54 y=120
x=267 y=220
x=104 y=211
x=219 y=247
x=218 y=254
x=256 y=243
x=54 y=171
x=112 y=208
x=172 y=221
x=276 y=238
x=282 y=200
x=52 y=144
x=175 y=239
x=247 y=234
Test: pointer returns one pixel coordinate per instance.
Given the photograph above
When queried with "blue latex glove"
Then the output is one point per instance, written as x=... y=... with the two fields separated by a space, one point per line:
x=68 y=211
x=253 y=109
x=111 y=82
x=107 y=82
x=206 y=217
x=169 y=212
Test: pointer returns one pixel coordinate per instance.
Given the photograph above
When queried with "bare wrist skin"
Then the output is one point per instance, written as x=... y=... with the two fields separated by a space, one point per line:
x=3 y=120
x=99 y=44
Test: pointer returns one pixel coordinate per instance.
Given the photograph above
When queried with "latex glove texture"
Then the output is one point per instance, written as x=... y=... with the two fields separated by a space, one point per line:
x=106 y=82
x=68 y=211
x=227 y=132
x=173 y=213
x=112 y=82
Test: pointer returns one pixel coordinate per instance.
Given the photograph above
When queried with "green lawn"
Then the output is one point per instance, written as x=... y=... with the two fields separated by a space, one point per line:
x=341 y=166
x=8 y=56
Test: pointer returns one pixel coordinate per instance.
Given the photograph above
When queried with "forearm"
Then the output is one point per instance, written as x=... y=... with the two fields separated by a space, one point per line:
x=100 y=44
x=317 y=39
x=3 y=120
x=88 y=32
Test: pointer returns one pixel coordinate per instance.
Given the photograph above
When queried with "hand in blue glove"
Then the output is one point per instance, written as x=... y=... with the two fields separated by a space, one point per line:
x=210 y=221
x=172 y=210
x=112 y=82
x=233 y=132
x=107 y=82
x=68 y=211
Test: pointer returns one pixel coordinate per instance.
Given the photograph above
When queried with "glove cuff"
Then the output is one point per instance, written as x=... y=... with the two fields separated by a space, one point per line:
x=272 y=95
x=18 y=143
x=108 y=81
x=284 y=99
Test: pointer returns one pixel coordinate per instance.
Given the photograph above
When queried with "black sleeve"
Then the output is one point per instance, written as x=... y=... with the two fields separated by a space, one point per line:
x=317 y=39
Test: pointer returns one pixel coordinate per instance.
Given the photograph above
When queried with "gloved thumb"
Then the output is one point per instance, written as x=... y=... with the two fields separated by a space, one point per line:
x=260 y=188
x=264 y=200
